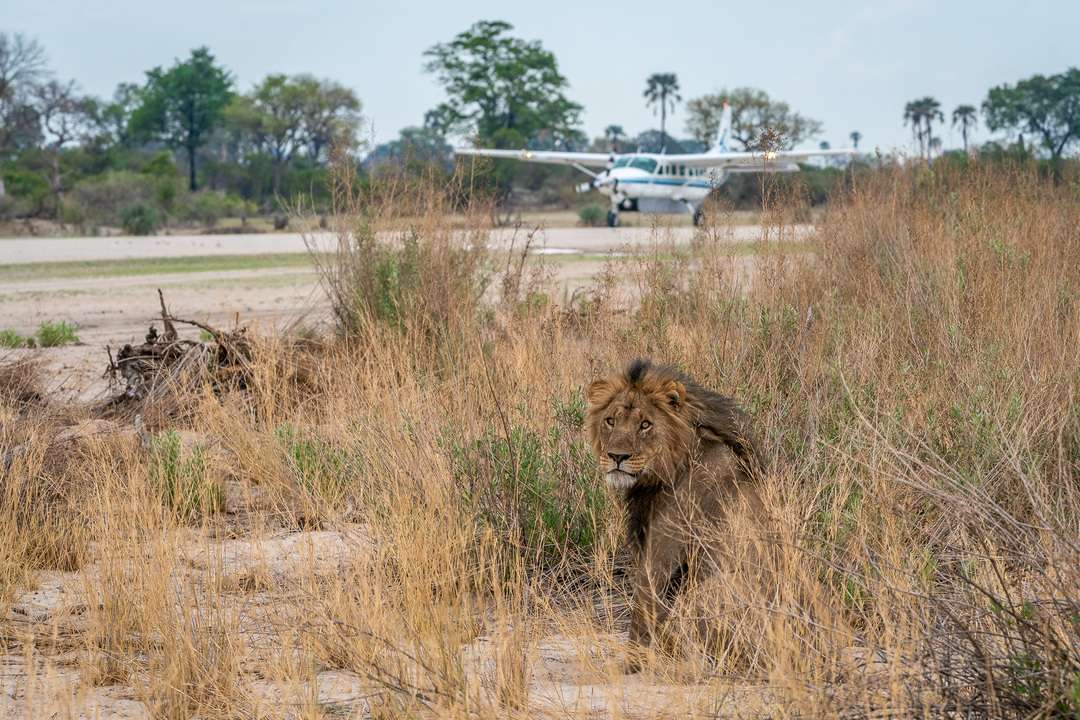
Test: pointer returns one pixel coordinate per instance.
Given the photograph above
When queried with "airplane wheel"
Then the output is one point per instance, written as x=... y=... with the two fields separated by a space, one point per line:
x=699 y=217
x=612 y=219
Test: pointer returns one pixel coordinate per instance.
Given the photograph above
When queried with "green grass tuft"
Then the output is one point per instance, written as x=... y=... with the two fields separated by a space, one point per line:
x=56 y=334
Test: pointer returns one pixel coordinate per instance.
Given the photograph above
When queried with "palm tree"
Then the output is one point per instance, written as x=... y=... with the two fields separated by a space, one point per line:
x=662 y=89
x=966 y=117
x=613 y=134
x=922 y=114
x=913 y=116
x=931 y=113
x=855 y=136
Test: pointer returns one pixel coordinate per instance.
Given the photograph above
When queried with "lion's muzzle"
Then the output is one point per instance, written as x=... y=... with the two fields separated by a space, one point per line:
x=620 y=480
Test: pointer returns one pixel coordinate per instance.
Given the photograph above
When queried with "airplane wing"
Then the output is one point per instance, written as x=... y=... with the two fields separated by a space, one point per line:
x=754 y=159
x=555 y=157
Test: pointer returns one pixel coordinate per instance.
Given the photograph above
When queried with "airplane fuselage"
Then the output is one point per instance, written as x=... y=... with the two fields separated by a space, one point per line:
x=647 y=176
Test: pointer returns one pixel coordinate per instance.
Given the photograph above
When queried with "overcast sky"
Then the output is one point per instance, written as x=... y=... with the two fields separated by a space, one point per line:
x=850 y=63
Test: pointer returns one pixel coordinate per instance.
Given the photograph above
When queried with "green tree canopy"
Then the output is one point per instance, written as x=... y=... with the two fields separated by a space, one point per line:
x=273 y=117
x=502 y=89
x=752 y=113
x=284 y=116
x=181 y=106
x=114 y=116
x=331 y=115
x=1045 y=106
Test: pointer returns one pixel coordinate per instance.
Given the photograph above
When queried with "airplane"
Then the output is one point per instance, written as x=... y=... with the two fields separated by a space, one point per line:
x=661 y=183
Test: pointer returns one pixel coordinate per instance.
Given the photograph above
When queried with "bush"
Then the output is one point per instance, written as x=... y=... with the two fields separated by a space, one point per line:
x=104 y=198
x=429 y=275
x=181 y=478
x=208 y=207
x=56 y=334
x=536 y=490
x=11 y=339
x=27 y=192
x=592 y=215
x=320 y=471
x=161 y=166
x=139 y=219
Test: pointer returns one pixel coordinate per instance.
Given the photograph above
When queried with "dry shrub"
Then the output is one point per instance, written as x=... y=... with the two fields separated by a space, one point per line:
x=397 y=258
x=20 y=382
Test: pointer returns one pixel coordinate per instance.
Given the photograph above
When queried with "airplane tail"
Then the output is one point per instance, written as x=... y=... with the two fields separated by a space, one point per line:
x=724 y=131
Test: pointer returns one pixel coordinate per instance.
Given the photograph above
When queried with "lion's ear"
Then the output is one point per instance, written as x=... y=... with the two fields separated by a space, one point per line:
x=675 y=392
x=598 y=392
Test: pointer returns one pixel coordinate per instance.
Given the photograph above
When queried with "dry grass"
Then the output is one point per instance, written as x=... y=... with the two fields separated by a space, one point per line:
x=412 y=526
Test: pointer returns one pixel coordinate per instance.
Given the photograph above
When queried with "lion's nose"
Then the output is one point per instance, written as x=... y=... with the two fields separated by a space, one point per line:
x=617 y=459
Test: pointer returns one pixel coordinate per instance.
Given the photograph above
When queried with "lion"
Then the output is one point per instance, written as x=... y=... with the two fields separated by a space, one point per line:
x=683 y=458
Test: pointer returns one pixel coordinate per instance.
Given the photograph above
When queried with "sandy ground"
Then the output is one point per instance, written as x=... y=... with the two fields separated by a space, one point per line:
x=568 y=676
x=587 y=240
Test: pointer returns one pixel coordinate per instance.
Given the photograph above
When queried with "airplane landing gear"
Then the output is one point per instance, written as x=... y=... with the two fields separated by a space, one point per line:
x=699 y=217
x=612 y=219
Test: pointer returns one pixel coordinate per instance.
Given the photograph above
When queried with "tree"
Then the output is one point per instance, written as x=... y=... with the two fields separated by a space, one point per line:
x=285 y=116
x=181 y=106
x=22 y=69
x=1045 y=106
x=273 y=115
x=965 y=117
x=114 y=116
x=417 y=149
x=752 y=113
x=331 y=115
x=501 y=89
x=613 y=134
x=921 y=114
x=855 y=136
x=65 y=117
x=662 y=89
x=913 y=117
x=931 y=111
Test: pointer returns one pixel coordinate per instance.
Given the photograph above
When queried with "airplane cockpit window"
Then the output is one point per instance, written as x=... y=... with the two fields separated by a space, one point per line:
x=646 y=164
x=621 y=162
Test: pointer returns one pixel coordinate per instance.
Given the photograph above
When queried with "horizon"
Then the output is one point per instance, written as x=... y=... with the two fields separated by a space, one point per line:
x=853 y=65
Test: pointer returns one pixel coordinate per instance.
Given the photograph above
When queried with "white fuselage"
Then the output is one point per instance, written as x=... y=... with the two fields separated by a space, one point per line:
x=656 y=176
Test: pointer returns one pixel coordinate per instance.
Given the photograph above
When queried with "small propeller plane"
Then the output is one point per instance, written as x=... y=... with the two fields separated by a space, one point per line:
x=661 y=183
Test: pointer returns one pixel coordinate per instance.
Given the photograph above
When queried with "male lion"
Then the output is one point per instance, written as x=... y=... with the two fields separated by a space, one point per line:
x=684 y=457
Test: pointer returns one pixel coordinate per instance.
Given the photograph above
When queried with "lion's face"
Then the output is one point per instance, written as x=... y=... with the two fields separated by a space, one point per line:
x=638 y=429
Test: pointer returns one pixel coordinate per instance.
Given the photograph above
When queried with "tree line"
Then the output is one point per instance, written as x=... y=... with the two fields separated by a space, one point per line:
x=189 y=144
x=65 y=154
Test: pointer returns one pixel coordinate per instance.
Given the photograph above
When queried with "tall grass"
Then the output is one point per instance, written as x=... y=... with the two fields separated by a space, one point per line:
x=913 y=374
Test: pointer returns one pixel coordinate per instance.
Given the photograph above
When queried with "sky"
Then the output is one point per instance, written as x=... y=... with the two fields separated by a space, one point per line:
x=851 y=64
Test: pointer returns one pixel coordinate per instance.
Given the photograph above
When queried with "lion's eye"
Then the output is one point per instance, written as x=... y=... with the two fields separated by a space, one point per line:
x=645 y=424
x=610 y=422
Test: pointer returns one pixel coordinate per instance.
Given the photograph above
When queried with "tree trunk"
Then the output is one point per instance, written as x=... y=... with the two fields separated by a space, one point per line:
x=192 y=185
x=57 y=187
x=277 y=177
x=3 y=190
x=663 y=121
